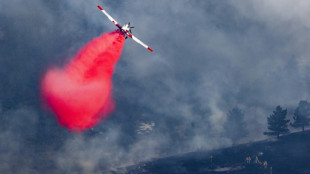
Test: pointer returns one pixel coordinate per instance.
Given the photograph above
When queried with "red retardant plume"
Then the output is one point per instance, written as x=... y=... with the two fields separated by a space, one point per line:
x=80 y=95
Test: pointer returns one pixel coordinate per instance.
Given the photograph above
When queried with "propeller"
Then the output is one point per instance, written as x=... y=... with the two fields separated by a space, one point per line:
x=130 y=27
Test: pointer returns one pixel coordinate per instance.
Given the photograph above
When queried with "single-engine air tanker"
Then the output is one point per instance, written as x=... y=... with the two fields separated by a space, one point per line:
x=125 y=30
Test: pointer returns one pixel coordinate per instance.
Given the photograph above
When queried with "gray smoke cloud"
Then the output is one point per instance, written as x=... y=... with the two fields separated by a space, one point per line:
x=209 y=56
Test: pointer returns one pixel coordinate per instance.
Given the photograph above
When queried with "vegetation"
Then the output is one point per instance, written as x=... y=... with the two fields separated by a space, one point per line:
x=263 y=157
x=301 y=115
x=277 y=124
x=235 y=126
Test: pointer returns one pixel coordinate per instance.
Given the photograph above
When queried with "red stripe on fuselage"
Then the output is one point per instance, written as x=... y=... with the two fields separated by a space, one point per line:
x=130 y=35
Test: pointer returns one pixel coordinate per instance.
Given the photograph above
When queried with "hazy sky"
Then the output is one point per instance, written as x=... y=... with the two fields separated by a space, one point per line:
x=209 y=56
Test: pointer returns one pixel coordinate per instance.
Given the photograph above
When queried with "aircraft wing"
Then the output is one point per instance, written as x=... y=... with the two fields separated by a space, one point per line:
x=139 y=41
x=110 y=17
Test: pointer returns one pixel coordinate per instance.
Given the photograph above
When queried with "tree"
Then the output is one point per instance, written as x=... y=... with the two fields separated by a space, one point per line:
x=301 y=115
x=277 y=124
x=235 y=125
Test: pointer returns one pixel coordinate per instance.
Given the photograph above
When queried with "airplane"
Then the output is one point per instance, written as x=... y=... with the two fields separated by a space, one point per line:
x=125 y=30
x=145 y=127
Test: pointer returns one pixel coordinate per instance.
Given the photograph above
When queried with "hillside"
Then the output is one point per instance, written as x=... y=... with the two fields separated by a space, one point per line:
x=290 y=154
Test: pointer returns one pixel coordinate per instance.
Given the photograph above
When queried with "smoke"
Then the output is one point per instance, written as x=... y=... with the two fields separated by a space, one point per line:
x=80 y=95
x=16 y=138
x=210 y=56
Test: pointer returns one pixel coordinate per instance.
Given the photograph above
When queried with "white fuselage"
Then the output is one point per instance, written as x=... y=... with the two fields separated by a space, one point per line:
x=126 y=28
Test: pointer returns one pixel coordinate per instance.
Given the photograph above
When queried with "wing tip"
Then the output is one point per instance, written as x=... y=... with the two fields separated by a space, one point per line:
x=150 y=49
x=100 y=8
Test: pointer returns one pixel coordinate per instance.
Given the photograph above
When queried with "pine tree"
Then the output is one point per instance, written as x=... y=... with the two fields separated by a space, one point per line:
x=235 y=125
x=301 y=115
x=277 y=124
